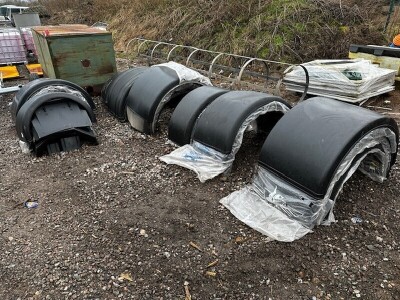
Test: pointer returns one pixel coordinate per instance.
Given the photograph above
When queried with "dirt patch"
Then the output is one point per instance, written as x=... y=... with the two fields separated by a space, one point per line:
x=116 y=208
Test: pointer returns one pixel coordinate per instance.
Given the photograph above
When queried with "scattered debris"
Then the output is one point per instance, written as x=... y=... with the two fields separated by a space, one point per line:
x=211 y=274
x=195 y=246
x=142 y=232
x=356 y=220
x=379 y=107
x=31 y=204
x=188 y=296
x=240 y=239
x=125 y=276
x=212 y=264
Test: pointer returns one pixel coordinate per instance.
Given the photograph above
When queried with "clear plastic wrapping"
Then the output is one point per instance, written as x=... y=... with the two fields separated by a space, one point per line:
x=283 y=212
x=188 y=80
x=347 y=80
x=208 y=163
x=58 y=89
x=183 y=87
x=185 y=73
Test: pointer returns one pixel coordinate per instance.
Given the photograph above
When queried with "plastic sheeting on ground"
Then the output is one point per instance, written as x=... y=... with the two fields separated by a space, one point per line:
x=283 y=212
x=346 y=80
x=208 y=163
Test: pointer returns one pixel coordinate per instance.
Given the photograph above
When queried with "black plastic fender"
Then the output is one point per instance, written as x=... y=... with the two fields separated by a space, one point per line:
x=188 y=110
x=104 y=89
x=219 y=124
x=117 y=91
x=29 y=89
x=150 y=92
x=310 y=141
x=61 y=126
x=26 y=112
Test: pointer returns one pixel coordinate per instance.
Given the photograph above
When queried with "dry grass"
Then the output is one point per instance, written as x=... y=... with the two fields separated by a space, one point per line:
x=290 y=30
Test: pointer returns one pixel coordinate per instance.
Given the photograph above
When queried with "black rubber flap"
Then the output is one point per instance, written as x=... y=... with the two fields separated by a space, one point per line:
x=309 y=142
x=149 y=89
x=188 y=110
x=220 y=122
x=55 y=117
x=66 y=140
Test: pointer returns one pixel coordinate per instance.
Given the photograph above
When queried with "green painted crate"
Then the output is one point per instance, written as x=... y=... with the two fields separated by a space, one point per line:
x=77 y=53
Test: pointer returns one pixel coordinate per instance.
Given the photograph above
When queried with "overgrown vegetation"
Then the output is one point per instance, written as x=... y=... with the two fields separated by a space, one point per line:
x=288 y=30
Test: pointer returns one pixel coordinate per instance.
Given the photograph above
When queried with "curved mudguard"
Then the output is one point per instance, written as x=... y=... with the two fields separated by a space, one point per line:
x=28 y=111
x=219 y=124
x=150 y=92
x=29 y=89
x=105 y=88
x=308 y=144
x=188 y=110
x=61 y=126
x=116 y=92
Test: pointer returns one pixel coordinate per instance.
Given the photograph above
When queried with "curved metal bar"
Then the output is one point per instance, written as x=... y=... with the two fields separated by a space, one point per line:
x=208 y=51
x=307 y=83
x=216 y=55
x=237 y=61
x=154 y=48
x=191 y=54
x=278 y=85
x=210 y=70
x=266 y=65
x=172 y=50
x=129 y=43
x=141 y=44
x=239 y=77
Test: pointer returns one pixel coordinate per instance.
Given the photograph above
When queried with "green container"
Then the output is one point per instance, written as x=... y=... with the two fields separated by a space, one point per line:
x=77 y=53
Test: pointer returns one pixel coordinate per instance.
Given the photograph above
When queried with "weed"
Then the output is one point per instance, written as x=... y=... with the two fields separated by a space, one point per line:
x=288 y=30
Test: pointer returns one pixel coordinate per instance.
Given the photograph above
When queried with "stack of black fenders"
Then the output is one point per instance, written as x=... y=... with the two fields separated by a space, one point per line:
x=53 y=115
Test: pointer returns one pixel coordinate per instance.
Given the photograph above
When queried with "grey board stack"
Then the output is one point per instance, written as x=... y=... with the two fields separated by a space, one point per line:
x=346 y=80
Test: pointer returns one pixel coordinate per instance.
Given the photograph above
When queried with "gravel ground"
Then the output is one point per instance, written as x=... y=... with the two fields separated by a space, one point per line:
x=114 y=222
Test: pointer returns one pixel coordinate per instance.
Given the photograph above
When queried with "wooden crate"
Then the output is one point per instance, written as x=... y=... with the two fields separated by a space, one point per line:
x=77 y=53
